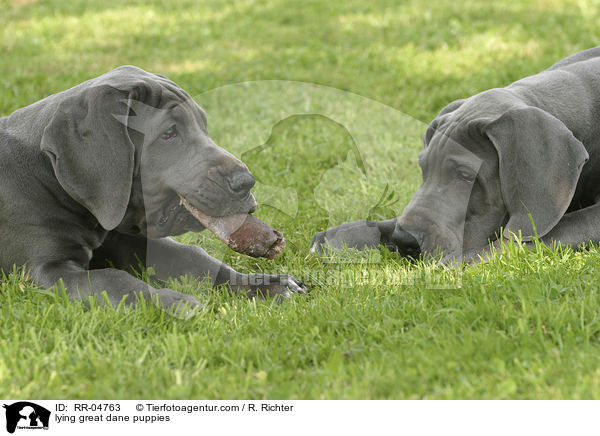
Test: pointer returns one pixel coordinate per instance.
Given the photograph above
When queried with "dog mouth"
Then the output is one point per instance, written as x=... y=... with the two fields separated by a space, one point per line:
x=172 y=212
x=241 y=231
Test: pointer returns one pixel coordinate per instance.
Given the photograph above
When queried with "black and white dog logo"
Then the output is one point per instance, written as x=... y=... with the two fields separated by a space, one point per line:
x=26 y=415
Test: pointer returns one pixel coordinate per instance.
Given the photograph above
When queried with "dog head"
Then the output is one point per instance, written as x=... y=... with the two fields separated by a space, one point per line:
x=491 y=162
x=129 y=145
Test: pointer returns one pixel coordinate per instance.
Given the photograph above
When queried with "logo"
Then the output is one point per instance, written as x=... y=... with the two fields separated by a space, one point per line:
x=26 y=415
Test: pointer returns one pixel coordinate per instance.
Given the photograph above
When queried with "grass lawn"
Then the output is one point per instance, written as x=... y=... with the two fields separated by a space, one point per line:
x=333 y=135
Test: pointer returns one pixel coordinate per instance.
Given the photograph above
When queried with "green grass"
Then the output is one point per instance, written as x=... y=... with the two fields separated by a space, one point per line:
x=526 y=325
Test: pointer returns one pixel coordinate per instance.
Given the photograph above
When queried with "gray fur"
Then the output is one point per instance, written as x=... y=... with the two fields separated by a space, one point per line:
x=501 y=159
x=72 y=169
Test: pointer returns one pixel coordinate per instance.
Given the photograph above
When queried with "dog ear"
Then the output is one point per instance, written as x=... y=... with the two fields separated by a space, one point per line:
x=539 y=164
x=91 y=152
x=431 y=128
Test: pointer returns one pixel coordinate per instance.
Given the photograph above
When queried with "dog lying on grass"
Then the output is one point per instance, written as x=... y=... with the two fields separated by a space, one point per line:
x=94 y=179
x=525 y=159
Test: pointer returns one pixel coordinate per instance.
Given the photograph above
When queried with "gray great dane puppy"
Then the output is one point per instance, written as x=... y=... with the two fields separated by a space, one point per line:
x=85 y=197
x=502 y=159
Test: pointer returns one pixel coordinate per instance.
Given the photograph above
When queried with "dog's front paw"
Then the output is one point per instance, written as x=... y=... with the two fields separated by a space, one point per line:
x=281 y=286
x=176 y=303
x=319 y=242
x=357 y=234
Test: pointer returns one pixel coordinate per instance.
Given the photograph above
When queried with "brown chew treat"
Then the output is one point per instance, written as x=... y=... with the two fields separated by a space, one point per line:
x=243 y=233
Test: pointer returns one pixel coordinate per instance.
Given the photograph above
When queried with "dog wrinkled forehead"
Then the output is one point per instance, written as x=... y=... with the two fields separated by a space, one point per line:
x=152 y=89
x=448 y=138
x=148 y=97
x=140 y=116
x=463 y=120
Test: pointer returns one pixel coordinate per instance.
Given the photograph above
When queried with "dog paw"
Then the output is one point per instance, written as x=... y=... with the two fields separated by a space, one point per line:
x=318 y=243
x=175 y=303
x=357 y=234
x=281 y=286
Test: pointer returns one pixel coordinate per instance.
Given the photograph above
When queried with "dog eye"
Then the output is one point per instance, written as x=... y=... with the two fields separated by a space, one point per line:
x=467 y=176
x=170 y=134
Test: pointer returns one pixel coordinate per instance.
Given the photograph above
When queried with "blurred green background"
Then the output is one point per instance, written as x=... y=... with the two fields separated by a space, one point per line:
x=413 y=55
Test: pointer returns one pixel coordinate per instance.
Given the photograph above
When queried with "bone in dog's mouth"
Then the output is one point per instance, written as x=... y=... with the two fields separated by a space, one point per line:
x=243 y=232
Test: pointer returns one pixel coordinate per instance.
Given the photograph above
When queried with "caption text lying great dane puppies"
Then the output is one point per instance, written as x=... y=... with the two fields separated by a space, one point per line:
x=502 y=159
x=84 y=195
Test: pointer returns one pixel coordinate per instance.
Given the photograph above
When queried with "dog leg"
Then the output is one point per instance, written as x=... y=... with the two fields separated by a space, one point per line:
x=81 y=284
x=576 y=228
x=171 y=259
x=368 y=234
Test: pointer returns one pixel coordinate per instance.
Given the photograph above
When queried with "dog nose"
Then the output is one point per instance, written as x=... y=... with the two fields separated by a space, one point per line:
x=240 y=182
x=406 y=245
